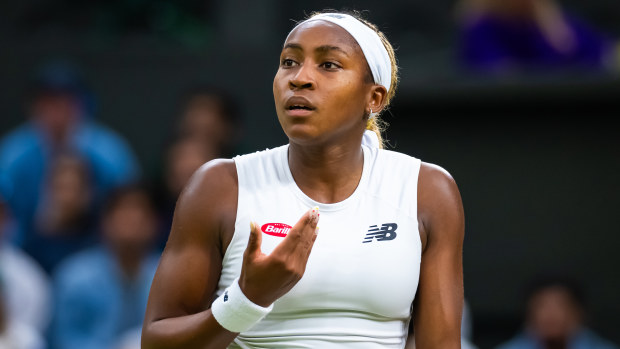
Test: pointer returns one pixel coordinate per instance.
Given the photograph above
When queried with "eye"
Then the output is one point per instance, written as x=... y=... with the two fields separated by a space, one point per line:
x=330 y=65
x=287 y=62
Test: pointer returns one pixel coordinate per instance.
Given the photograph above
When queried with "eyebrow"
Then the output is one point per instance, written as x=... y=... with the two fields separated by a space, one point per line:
x=320 y=49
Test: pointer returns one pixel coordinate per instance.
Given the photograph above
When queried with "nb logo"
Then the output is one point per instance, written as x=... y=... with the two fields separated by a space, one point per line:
x=226 y=296
x=386 y=232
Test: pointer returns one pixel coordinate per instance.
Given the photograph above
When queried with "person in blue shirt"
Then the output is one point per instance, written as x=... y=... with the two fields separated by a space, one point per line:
x=101 y=293
x=60 y=121
x=555 y=318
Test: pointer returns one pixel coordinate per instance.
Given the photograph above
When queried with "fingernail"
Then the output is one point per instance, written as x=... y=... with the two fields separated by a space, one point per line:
x=252 y=224
x=314 y=215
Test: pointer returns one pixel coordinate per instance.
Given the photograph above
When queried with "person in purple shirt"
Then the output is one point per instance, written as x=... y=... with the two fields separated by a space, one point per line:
x=532 y=35
x=555 y=307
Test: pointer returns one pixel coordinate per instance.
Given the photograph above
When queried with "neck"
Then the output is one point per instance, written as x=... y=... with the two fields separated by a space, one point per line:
x=327 y=173
x=560 y=343
x=129 y=261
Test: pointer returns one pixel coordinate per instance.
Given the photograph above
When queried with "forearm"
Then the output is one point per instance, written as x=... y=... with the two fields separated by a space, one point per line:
x=437 y=315
x=199 y=330
x=432 y=343
x=437 y=343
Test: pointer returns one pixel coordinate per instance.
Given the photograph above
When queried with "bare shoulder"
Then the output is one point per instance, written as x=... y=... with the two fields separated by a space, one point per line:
x=207 y=206
x=435 y=177
x=436 y=186
x=439 y=202
x=215 y=175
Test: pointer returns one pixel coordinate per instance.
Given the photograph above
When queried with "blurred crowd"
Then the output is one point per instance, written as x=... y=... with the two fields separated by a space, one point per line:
x=81 y=228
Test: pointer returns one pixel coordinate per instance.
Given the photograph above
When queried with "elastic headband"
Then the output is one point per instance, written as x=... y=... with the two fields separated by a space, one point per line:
x=376 y=55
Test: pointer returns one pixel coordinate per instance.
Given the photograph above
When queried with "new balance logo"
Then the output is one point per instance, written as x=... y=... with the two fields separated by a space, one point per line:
x=386 y=232
x=226 y=296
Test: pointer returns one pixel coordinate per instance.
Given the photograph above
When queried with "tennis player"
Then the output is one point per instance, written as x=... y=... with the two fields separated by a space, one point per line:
x=379 y=241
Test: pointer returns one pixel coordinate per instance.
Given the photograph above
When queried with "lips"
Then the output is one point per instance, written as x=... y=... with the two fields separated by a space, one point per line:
x=298 y=103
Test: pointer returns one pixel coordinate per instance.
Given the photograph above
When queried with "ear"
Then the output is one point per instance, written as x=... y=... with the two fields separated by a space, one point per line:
x=376 y=99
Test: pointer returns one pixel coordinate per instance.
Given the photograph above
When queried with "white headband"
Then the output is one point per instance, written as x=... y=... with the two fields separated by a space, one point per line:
x=376 y=55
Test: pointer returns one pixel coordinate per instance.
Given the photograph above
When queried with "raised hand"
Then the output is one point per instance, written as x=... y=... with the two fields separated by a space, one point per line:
x=265 y=278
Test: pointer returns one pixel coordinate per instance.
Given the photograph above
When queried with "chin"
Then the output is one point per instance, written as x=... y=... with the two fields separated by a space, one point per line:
x=302 y=135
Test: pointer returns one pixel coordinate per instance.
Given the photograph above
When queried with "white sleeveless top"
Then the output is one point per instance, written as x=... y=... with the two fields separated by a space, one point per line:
x=362 y=275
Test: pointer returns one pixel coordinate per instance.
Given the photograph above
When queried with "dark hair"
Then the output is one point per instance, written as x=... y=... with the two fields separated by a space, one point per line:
x=226 y=102
x=61 y=77
x=567 y=283
x=117 y=195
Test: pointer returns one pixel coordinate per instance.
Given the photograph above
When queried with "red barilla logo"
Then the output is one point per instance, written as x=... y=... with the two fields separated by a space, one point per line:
x=276 y=229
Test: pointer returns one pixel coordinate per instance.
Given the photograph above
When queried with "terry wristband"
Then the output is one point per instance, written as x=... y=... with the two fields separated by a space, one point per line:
x=235 y=312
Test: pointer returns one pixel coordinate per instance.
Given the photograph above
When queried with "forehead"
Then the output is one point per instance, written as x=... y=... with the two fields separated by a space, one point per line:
x=553 y=294
x=320 y=32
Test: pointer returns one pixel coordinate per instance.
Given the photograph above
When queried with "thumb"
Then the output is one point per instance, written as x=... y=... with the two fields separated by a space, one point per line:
x=255 y=240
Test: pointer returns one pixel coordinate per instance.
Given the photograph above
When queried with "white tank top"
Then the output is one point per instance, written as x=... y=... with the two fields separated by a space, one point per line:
x=362 y=275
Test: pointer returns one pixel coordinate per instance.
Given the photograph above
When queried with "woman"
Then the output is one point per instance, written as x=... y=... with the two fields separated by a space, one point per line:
x=353 y=284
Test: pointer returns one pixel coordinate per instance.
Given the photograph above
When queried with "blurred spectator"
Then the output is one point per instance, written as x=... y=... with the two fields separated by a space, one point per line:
x=508 y=35
x=67 y=197
x=60 y=120
x=24 y=296
x=16 y=335
x=183 y=158
x=101 y=293
x=208 y=128
x=210 y=115
x=554 y=318
x=63 y=221
x=130 y=340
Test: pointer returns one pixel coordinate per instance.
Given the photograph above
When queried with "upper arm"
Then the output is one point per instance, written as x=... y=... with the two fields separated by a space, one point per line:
x=439 y=299
x=190 y=266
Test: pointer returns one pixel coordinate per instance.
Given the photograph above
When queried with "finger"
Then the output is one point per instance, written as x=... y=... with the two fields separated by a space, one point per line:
x=304 y=231
x=300 y=234
x=307 y=223
x=255 y=240
x=314 y=236
x=304 y=249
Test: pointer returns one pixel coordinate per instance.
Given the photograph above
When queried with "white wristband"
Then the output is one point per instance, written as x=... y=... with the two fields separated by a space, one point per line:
x=235 y=312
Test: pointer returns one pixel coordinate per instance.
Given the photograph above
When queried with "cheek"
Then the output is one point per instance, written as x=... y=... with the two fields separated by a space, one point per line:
x=280 y=87
x=279 y=84
x=347 y=97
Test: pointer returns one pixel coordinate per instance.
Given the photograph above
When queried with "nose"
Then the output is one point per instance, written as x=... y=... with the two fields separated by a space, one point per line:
x=302 y=79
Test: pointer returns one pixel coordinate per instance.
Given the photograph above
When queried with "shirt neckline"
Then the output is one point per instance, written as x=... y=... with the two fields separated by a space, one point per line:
x=361 y=186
